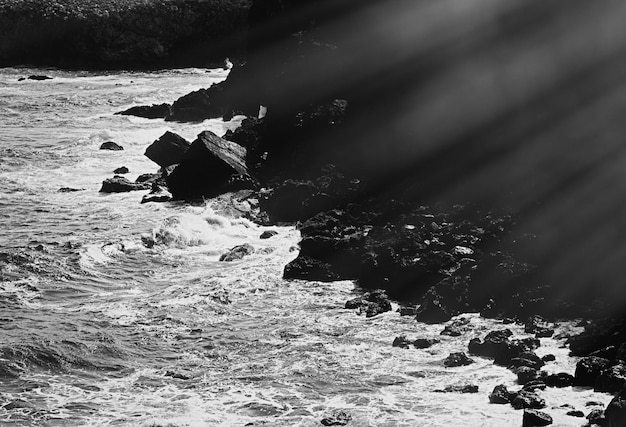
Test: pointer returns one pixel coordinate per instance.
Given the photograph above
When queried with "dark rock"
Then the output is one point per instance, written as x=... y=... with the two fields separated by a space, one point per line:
x=238 y=252
x=562 y=379
x=501 y=395
x=177 y=375
x=18 y=404
x=609 y=352
x=494 y=343
x=121 y=170
x=468 y=388
x=168 y=150
x=457 y=359
x=157 y=194
x=199 y=105
x=425 y=342
x=615 y=413
x=538 y=326
x=549 y=358
x=154 y=111
x=307 y=268
x=119 y=184
x=268 y=234
x=39 y=77
x=401 y=342
x=407 y=310
x=69 y=189
x=597 y=417
x=248 y=134
x=207 y=167
x=534 y=385
x=534 y=418
x=529 y=359
x=456 y=328
x=338 y=418
x=612 y=379
x=289 y=201
x=577 y=414
x=372 y=303
x=528 y=399
x=588 y=369
x=110 y=145
x=525 y=374
x=148 y=178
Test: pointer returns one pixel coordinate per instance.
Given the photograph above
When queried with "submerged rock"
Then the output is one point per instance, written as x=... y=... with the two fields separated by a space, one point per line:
x=468 y=388
x=338 y=418
x=110 y=145
x=268 y=234
x=69 y=189
x=121 y=170
x=168 y=150
x=119 y=184
x=371 y=303
x=238 y=252
x=154 y=111
x=457 y=359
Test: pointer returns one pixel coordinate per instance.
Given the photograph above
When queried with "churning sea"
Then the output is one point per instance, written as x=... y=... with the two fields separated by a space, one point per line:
x=97 y=329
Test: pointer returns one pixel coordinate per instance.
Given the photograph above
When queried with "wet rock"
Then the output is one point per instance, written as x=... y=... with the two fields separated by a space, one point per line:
x=528 y=359
x=168 y=150
x=588 y=369
x=307 y=268
x=18 y=404
x=534 y=418
x=199 y=105
x=338 y=418
x=69 y=189
x=457 y=359
x=237 y=253
x=538 y=326
x=154 y=111
x=401 y=342
x=290 y=201
x=611 y=379
x=549 y=358
x=615 y=413
x=534 y=385
x=177 y=375
x=119 y=184
x=494 y=343
x=148 y=178
x=467 y=388
x=528 y=399
x=501 y=395
x=596 y=417
x=158 y=194
x=121 y=170
x=407 y=310
x=207 y=167
x=425 y=342
x=248 y=134
x=575 y=413
x=110 y=145
x=562 y=379
x=525 y=374
x=268 y=234
x=39 y=77
x=371 y=303
x=456 y=328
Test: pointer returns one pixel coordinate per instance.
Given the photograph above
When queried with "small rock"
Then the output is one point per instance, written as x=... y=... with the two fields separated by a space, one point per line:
x=533 y=418
x=339 y=418
x=534 y=385
x=457 y=359
x=528 y=399
x=596 y=416
x=119 y=184
x=121 y=170
x=158 y=194
x=525 y=374
x=425 y=342
x=267 y=234
x=562 y=379
x=456 y=328
x=69 y=189
x=407 y=310
x=238 y=252
x=468 y=388
x=38 y=77
x=549 y=358
x=110 y=145
x=401 y=342
x=578 y=414
x=500 y=395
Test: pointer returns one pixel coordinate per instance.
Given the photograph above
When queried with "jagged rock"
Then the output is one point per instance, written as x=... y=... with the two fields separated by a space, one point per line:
x=372 y=303
x=154 y=111
x=615 y=413
x=457 y=359
x=501 y=395
x=119 y=184
x=562 y=379
x=401 y=342
x=468 y=388
x=534 y=418
x=238 y=252
x=549 y=358
x=206 y=167
x=69 y=189
x=110 y=145
x=597 y=417
x=289 y=201
x=534 y=385
x=199 y=105
x=538 y=326
x=456 y=328
x=148 y=178
x=612 y=379
x=528 y=359
x=525 y=374
x=307 y=268
x=338 y=418
x=528 y=399
x=157 y=194
x=494 y=342
x=121 y=170
x=168 y=150
x=268 y=234
x=588 y=369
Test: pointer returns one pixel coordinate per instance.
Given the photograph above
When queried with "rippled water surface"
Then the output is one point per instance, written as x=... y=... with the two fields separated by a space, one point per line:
x=98 y=330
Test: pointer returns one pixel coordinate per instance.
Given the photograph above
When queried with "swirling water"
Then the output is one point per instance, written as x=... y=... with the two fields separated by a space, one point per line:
x=96 y=329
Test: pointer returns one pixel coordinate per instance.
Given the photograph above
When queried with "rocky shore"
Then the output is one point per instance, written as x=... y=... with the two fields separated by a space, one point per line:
x=121 y=34
x=432 y=174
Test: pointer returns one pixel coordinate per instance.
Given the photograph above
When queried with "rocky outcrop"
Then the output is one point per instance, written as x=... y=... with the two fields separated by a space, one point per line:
x=154 y=111
x=121 y=34
x=207 y=167
x=168 y=150
x=119 y=184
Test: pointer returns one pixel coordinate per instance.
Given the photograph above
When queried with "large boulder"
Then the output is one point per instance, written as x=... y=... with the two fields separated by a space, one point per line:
x=154 y=111
x=615 y=413
x=168 y=150
x=206 y=168
x=588 y=369
x=611 y=379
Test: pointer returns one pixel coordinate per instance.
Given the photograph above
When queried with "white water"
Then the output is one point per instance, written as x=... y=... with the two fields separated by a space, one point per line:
x=98 y=330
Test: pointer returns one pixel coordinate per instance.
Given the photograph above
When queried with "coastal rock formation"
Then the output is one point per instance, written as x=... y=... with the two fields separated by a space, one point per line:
x=154 y=111
x=168 y=150
x=119 y=184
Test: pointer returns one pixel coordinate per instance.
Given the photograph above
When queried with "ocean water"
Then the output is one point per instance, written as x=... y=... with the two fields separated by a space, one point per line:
x=98 y=330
